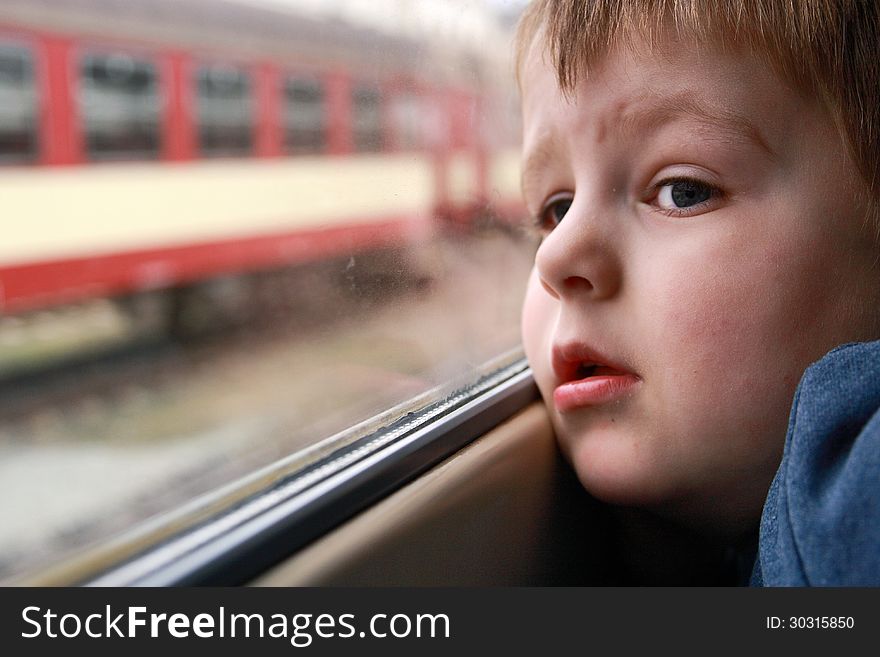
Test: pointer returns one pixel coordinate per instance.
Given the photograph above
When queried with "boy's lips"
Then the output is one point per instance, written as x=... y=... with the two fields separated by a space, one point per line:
x=586 y=377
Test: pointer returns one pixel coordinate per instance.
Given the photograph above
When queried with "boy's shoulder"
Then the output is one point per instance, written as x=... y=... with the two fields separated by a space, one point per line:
x=821 y=521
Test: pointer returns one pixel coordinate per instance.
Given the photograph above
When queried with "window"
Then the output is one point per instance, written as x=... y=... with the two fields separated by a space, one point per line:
x=119 y=104
x=18 y=104
x=407 y=116
x=177 y=335
x=305 y=115
x=225 y=110
x=367 y=118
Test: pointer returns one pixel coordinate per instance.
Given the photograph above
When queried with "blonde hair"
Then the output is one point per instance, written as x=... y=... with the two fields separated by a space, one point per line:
x=828 y=49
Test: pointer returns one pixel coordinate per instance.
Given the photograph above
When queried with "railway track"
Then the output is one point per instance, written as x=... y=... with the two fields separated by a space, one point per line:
x=64 y=384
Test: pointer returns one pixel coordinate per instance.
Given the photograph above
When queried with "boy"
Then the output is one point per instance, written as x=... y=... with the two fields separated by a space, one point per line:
x=705 y=175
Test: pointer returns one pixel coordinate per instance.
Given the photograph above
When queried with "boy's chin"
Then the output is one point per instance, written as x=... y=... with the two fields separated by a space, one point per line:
x=613 y=472
x=622 y=485
x=609 y=467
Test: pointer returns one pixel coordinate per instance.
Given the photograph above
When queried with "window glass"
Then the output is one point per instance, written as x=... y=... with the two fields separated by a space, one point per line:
x=119 y=103
x=367 y=118
x=18 y=104
x=305 y=115
x=408 y=118
x=172 y=327
x=225 y=110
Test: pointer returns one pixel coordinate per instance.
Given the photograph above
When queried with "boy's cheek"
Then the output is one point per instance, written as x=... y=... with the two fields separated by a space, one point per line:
x=728 y=334
x=728 y=330
x=539 y=316
x=732 y=343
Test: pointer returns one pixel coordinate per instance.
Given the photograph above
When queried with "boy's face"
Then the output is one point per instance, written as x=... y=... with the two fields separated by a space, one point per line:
x=711 y=245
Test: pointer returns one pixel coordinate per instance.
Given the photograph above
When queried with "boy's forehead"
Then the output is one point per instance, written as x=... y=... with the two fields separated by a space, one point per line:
x=628 y=116
x=631 y=94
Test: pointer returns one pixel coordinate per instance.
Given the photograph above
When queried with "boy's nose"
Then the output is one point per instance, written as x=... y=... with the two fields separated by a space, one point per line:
x=578 y=259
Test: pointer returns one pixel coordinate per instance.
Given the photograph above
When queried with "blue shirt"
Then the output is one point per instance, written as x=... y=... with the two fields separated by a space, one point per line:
x=821 y=520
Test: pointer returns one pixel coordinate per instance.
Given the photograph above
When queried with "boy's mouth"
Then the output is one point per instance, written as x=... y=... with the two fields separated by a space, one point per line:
x=585 y=378
x=574 y=362
x=586 y=370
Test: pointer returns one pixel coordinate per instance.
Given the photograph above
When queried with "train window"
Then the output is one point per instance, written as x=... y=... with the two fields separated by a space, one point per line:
x=119 y=103
x=18 y=104
x=367 y=118
x=407 y=117
x=305 y=115
x=178 y=337
x=225 y=110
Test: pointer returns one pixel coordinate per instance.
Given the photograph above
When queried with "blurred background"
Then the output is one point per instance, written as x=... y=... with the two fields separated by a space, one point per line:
x=232 y=230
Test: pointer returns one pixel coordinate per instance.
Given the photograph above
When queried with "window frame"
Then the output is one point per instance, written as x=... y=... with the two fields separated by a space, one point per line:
x=32 y=49
x=89 y=48
x=319 y=80
x=361 y=140
x=251 y=74
x=405 y=119
x=238 y=543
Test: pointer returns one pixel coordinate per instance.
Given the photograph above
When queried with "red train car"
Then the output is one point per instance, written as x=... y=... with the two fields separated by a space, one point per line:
x=154 y=144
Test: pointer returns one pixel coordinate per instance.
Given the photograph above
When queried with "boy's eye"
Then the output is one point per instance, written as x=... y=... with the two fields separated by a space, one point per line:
x=554 y=211
x=676 y=197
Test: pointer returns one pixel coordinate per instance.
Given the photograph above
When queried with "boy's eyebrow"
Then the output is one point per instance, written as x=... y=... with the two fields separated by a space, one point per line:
x=666 y=108
x=548 y=146
x=648 y=117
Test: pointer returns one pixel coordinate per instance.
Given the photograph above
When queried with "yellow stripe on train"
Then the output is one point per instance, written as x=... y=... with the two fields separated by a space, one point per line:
x=56 y=213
